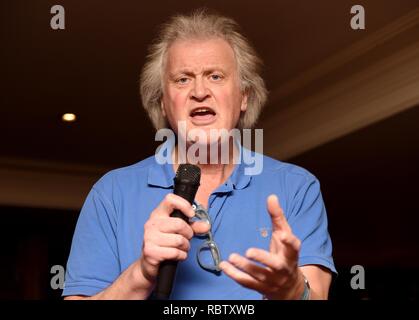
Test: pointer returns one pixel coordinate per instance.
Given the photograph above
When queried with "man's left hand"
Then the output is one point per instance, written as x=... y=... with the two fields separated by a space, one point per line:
x=279 y=276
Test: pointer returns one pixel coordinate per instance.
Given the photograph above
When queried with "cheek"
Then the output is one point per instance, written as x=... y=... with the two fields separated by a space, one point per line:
x=174 y=104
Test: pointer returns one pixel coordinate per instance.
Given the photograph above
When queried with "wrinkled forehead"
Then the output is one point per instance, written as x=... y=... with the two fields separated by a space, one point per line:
x=196 y=55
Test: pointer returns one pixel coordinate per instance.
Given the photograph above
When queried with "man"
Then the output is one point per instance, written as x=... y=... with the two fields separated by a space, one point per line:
x=269 y=229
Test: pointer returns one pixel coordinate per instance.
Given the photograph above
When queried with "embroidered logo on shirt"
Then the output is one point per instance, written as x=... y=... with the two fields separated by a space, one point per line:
x=264 y=232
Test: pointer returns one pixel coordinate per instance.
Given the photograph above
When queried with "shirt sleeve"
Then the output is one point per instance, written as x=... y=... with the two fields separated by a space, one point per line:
x=308 y=220
x=93 y=263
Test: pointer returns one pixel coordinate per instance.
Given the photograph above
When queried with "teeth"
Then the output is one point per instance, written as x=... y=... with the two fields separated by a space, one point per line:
x=202 y=111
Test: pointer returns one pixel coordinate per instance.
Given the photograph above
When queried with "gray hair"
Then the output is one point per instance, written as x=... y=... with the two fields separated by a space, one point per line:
x=201 y=24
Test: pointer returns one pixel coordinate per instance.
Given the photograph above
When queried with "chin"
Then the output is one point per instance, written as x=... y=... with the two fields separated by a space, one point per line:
x=211 y=135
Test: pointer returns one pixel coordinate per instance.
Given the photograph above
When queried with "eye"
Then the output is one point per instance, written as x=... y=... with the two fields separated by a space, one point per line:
x=182 y=80
x=216 y=77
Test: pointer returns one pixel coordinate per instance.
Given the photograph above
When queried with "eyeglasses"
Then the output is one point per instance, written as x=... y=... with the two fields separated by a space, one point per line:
x=209 y=244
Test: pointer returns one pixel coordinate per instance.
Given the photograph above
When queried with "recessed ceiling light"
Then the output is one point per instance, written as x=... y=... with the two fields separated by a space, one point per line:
x=69 y=117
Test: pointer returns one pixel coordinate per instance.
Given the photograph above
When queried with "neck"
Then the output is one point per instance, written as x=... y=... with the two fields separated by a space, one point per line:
x=214 y=170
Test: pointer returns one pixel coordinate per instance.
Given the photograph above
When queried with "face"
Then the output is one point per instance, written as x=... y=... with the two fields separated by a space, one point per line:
x=201 y=85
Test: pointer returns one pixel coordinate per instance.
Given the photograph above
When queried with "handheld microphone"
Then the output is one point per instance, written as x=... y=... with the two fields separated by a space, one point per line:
x=186 y=185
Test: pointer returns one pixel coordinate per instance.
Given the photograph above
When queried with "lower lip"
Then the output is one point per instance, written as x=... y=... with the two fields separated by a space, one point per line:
x=203 y=120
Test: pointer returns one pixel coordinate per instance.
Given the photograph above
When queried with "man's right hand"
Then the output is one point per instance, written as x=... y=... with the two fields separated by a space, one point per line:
x=166 y=237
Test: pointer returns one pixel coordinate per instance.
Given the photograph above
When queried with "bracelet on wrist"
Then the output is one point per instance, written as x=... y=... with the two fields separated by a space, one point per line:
x=306 y=293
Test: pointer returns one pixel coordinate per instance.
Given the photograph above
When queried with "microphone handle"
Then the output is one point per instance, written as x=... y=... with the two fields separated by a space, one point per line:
x=167 y=269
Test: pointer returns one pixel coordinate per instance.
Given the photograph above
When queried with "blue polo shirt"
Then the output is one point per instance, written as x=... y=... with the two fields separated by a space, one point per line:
x=109 y=233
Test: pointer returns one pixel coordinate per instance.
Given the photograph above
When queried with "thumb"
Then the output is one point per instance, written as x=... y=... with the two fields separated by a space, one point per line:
x=276 y=213
x=200 y=227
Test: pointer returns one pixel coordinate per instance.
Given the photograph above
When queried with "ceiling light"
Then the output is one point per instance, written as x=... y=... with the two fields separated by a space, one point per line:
x=69 y=117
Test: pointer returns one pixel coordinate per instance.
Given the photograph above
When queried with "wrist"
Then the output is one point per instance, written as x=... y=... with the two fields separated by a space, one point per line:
x=297 y=289
x=138 y=283
x=130 y=285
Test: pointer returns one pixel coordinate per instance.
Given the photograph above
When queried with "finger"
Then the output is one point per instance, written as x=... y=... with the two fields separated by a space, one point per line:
x=259 y=273
x=155 y=254
x=268 y=259
x=170 y=240
x=200 y=227
x=241 y=277
x=171 y=254
x=279 y=221
x=275 y=243
x=291 y=246
x=173 y=225
x=172 y=202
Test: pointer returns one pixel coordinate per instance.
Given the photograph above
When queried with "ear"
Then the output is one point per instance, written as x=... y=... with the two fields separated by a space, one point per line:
x=162 y=108
x=243 y=106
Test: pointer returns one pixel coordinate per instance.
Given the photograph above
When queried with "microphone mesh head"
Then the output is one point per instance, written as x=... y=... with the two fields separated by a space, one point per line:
x=188 y=173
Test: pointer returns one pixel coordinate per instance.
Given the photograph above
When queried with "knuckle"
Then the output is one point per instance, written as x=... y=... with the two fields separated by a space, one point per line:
x=262 y=277
x=148 y=225
x=298 y=244
x=169 y=197
x=187 y=245
x=153 y=262
x=183 y=243
x=288 y=271
x=174 y=254
x=149 y=233
x=148 y=250
x=147 y=239
x=179 y=224
x=181 y=255
x=278 y=265
x=189 y=232
x=152 y=224
x=179 y=241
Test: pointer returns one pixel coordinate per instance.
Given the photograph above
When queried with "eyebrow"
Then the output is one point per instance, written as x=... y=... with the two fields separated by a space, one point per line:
x=189 y=72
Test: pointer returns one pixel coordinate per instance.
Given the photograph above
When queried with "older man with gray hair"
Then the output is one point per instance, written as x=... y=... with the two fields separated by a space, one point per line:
x=248 y=236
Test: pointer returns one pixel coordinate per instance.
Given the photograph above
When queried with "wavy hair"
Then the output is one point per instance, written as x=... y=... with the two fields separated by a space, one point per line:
x=201 y=24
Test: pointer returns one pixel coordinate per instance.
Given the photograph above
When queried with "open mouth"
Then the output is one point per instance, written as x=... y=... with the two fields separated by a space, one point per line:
x=202 y=114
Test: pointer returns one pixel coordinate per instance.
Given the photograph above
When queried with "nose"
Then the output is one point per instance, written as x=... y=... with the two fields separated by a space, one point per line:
x=199 y=91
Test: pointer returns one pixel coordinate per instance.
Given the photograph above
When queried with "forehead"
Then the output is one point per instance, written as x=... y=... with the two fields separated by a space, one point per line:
x=196 y=54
